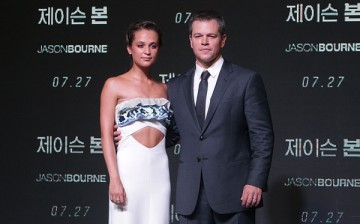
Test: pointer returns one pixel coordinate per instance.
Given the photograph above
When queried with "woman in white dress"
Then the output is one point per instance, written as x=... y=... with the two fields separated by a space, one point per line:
x=139 y=183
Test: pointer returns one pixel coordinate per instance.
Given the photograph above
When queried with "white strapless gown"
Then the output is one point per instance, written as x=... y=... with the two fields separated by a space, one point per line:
x=144 y=171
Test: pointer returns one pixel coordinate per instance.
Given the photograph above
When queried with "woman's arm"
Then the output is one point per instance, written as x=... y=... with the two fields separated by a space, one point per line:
x=108 y=102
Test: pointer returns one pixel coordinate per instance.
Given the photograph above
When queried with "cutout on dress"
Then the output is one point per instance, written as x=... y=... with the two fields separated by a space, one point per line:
x=147 y=136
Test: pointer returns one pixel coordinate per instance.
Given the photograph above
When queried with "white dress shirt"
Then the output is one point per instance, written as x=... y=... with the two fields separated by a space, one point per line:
x=214 y=75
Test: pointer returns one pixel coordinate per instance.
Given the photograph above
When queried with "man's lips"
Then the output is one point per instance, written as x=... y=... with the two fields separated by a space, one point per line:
x=205 y=50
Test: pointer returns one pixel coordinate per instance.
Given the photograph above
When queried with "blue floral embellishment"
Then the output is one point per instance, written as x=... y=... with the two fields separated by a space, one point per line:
x=140 y=109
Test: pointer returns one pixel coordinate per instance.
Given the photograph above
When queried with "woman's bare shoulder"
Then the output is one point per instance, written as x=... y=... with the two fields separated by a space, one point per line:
x=163 y=86
x=115 y=81
x=161 y=89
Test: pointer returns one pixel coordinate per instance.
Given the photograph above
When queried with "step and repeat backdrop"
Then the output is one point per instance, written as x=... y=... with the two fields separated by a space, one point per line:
x=307 y=51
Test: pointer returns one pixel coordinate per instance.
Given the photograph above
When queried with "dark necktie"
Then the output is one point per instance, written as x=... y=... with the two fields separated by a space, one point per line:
x=201 y=97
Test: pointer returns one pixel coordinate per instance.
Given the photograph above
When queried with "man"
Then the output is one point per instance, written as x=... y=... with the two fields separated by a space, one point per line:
x=226 y=134
x=224 y=163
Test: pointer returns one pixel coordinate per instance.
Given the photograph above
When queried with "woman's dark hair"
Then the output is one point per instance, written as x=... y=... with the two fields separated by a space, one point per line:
x=139 y=25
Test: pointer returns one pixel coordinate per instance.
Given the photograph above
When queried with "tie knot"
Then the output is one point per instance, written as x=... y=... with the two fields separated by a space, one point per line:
x=205 y=75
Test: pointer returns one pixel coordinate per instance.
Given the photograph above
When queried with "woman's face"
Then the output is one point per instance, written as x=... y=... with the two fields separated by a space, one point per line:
x=144 y=48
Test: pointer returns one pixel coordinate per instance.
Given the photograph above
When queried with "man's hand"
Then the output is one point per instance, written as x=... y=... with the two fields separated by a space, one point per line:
x=117 y=135
x=251 y=196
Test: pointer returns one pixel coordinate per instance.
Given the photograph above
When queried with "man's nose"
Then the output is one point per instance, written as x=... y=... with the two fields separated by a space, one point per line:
x=204 y=41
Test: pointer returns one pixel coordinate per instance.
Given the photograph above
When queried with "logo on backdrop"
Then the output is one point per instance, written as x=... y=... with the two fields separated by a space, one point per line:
x=73 y=49
x=323 y=13
x=71 y=178
x=322 y=47
x=68 y=145
x=316 y=148
x=322 y=182
x=73 y=16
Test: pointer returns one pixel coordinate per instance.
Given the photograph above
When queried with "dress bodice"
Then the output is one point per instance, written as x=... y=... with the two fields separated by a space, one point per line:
x=141 y=109
x=132 y=115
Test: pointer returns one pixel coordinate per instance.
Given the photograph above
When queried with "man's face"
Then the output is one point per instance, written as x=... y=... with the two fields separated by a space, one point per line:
x=206 y=42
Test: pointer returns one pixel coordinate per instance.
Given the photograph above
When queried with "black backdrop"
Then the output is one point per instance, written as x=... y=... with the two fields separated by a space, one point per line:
x=57 y=54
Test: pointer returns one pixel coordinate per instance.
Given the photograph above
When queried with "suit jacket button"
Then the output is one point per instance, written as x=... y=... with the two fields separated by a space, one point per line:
x=198 y=159
x=201 y=137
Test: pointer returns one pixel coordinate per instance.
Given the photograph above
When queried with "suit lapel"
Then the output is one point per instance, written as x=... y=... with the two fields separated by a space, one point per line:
x=189 y=94
x=220 y=88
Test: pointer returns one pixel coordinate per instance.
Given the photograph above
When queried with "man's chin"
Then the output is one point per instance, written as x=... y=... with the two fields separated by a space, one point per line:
x=206 y=61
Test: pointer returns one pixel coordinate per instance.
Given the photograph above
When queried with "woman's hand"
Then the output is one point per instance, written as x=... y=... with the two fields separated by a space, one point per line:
x=117 y=193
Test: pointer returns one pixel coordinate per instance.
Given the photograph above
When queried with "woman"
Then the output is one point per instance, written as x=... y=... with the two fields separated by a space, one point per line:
x=139 y=188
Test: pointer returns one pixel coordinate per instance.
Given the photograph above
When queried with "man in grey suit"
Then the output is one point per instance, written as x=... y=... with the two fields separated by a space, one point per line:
x=226 y=133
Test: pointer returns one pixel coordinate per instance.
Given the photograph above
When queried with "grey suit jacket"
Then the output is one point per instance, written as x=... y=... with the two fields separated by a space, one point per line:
x=233 y=148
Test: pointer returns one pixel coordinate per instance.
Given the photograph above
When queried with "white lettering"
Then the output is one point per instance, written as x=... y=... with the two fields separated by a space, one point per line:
x=71 y=178
x=73 y=49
